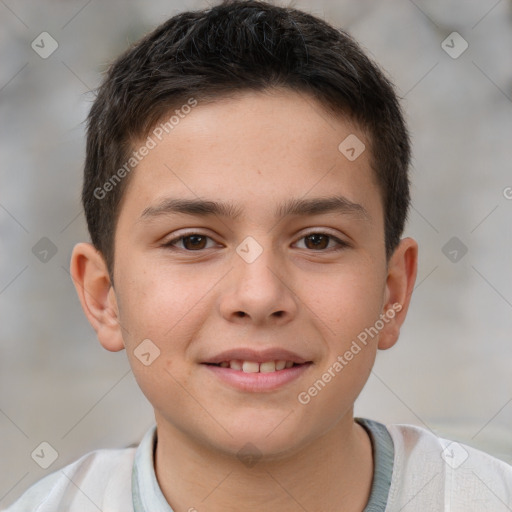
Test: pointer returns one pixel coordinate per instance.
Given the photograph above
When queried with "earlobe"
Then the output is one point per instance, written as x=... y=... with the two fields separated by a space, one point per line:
x=400 y=281
x=97 y=297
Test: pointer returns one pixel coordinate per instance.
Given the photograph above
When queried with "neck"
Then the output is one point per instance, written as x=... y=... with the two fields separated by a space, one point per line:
x=334 y=472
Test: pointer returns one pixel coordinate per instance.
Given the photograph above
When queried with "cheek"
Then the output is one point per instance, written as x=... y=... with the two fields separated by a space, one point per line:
x=158 y=316
x=156 y=304
x=333 y=390
x=347 y=301
x=351 y=304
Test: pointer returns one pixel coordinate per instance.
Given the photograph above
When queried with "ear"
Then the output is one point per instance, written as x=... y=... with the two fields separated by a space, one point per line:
x=97 y=296
x=402 y=269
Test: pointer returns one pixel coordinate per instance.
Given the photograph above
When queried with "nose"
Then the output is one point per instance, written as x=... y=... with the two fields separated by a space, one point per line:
x=259 y=291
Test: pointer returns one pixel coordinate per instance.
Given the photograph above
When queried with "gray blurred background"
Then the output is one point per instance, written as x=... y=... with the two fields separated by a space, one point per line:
x=450 y=371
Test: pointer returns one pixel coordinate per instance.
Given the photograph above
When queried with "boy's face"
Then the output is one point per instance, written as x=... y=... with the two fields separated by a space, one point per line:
x=256 y=282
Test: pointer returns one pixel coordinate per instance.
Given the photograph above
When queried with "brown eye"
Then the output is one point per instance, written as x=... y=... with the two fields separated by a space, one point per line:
x=193 y=242
x=321 y=242
x=318 y=241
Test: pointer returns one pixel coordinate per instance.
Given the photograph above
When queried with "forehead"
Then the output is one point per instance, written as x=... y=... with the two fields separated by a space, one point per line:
x=254 y=148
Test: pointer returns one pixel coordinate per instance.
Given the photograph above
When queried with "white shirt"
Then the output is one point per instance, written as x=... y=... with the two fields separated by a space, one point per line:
x=414 y=470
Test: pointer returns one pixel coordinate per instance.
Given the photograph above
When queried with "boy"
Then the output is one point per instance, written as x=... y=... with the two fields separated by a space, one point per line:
x=246 y=189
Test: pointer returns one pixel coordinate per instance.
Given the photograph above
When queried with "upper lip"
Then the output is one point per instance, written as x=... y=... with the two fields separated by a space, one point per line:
x=259 y=356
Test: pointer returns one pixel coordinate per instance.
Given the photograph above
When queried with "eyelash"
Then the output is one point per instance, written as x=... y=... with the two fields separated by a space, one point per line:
x=341 y=244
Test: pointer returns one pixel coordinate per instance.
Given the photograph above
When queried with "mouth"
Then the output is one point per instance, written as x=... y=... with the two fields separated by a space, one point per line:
x=257 y=367
x=252 y=371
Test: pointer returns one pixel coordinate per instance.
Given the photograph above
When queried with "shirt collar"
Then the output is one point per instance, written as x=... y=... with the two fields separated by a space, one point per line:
x=146 y=493
x=383 y=452
x=148 y=497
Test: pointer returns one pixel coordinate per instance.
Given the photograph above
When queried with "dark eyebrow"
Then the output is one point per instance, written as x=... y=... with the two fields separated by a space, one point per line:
x=317 y=205
x=203 y=208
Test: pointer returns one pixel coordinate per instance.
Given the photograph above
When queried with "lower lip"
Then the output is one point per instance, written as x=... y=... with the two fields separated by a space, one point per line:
x=257 y=382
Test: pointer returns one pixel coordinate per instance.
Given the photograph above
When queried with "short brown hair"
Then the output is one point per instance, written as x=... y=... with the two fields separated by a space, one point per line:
x=236 y=46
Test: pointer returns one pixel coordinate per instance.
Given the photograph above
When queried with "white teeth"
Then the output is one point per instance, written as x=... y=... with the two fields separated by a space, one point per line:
x=254 y=367
x=269 y=366
x=280 y=365
x=250 y=367
x=235 y=365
